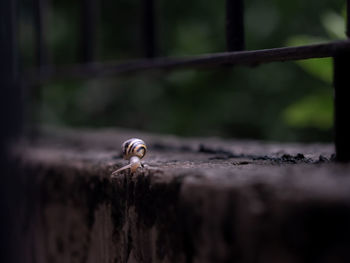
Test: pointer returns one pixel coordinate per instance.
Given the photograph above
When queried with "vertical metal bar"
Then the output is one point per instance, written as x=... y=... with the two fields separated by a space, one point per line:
x=148 y=28
x=10 y=119
x=341 y=65
x=341 y=105
x=235 y=25
x=348 y=18
x=88 y=30
x=10 y=105
x=40 y=22
x=32 y=105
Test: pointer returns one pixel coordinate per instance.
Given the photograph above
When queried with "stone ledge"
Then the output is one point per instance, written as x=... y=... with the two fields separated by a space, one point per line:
x=198 y=200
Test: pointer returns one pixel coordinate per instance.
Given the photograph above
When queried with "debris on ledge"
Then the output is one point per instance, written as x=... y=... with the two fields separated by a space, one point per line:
x=196 y=200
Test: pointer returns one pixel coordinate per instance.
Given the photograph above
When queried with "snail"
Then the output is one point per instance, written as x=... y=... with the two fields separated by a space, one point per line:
x=133 y=150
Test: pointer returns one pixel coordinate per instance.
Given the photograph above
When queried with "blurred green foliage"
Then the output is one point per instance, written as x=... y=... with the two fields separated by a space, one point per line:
x=289 y=101
x=316 y=110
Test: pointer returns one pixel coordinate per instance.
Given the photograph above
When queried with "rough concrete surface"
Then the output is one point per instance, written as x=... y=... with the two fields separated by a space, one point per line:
x=196 y=200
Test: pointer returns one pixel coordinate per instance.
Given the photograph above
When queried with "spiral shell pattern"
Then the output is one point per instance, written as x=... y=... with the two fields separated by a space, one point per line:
x=134 y=147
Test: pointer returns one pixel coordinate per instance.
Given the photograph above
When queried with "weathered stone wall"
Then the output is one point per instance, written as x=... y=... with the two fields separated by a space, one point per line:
x=197 y=200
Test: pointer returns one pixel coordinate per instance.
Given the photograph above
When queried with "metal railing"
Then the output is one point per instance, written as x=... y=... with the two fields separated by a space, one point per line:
x=235 y=55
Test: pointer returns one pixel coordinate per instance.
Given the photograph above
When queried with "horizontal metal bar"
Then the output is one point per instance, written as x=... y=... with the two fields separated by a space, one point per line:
x=250 y=58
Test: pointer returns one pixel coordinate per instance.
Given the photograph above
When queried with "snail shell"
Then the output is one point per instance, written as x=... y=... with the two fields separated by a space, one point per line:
x=134 y=147
x=133 y=150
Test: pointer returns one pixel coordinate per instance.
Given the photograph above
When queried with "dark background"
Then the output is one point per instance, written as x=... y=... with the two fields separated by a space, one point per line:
x=290 y=101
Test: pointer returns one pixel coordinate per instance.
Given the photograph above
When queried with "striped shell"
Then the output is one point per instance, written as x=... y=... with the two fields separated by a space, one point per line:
x=134 y=147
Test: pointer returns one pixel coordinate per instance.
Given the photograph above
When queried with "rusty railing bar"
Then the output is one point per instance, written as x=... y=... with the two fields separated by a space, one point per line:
x=250 y=58
x=88 y=30
x=235 y=25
